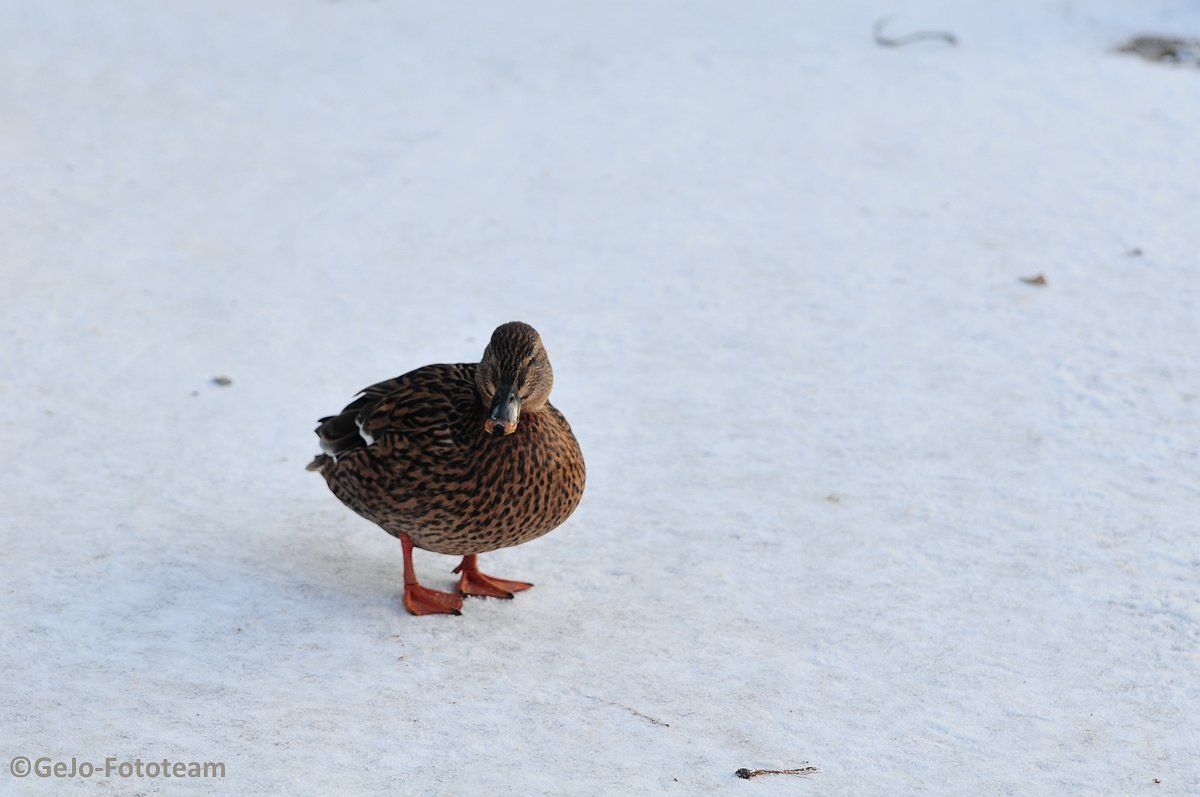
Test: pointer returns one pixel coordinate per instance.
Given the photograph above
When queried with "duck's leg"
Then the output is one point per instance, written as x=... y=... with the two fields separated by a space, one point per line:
x=473 y=582
x=423 y=600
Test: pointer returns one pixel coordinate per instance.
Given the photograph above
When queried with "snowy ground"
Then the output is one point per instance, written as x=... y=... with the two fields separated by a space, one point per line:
x=859 y=498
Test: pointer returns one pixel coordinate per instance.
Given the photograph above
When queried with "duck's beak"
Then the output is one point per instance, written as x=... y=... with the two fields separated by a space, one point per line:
x=506 y=410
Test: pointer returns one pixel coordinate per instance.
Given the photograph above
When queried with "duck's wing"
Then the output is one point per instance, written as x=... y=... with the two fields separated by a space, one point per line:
x=425 y=403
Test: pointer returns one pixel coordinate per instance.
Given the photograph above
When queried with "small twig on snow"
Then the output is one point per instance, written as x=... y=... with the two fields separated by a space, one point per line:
x=646 y=717
x=632 y=711
x=920 y=35
x=754 y=773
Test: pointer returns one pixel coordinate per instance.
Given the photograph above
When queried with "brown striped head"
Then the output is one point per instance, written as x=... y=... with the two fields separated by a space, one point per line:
x=514 y=376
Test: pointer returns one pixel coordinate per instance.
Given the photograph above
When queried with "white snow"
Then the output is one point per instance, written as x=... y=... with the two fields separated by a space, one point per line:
x=858 y=497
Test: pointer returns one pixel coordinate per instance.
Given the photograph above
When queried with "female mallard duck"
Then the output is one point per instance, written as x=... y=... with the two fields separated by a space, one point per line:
x=458 y=459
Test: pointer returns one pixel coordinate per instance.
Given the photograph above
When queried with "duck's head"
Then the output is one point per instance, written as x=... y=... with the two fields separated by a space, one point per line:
x=513 y=377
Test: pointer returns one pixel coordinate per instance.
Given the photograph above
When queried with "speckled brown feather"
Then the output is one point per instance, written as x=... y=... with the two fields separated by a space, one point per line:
x=431 y=471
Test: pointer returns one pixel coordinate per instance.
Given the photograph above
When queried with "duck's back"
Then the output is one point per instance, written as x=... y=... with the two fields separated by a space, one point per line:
x=411 y=455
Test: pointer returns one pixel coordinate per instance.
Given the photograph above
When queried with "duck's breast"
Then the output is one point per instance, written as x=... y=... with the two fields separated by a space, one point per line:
x=519 y=487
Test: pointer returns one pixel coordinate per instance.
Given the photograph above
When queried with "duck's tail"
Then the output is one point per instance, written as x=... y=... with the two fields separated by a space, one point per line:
x=321 y=462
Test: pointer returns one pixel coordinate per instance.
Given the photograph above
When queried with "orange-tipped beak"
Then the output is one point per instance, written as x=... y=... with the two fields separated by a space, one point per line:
x=499 y=428
x=506 y=410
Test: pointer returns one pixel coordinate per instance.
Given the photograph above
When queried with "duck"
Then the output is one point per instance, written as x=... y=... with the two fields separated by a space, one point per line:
x=458 y=459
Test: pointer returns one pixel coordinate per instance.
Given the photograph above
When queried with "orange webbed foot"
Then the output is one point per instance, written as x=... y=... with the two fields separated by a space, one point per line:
x=423 y=600
x=481 y=585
